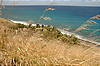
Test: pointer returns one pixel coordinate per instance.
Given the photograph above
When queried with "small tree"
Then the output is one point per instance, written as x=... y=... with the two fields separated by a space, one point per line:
x=48 y=26
x=43 y=14
x=42 y=26
x=75 y=40
x=37 y=26
x=21 y=25
x=54 y=28
x=30 y=25
x=33 y=27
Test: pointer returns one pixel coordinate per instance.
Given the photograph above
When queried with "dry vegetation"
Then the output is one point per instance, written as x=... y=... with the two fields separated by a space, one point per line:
x=40 y=45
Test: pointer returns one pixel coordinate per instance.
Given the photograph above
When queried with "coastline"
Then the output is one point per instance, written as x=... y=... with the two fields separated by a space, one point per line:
x=60 y=3
x=38 y=45
x=83 y=41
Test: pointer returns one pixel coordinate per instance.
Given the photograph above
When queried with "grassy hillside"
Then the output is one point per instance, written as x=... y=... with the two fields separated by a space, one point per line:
x=22 y=45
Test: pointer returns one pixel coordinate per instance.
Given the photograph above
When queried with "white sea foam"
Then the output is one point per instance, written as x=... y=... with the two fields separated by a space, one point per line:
x=62 y=31
x=70 y=33
x=22 y=22
x=78 y=36
x=26 y=23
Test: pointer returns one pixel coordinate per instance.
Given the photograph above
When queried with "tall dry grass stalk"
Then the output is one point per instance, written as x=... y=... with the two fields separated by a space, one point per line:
x=43 y=14
x=1 y=6
x=85 y=25
x=27 y=47
x=93 y=33
x=8 y=14
x=88 y=23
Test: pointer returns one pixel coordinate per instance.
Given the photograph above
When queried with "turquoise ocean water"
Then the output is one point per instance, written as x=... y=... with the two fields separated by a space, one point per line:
x=66 y=18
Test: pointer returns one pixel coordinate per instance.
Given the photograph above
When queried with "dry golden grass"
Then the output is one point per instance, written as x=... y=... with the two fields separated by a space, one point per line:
x=29 y=48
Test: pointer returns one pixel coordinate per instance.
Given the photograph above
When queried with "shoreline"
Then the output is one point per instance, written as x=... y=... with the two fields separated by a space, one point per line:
x=83 y=41
x=60 y=3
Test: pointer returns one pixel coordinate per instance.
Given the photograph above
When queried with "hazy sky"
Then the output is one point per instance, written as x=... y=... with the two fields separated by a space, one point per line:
x=58 y=2
x=52 y=0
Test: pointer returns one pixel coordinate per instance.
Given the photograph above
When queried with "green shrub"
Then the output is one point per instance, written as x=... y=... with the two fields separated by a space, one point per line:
x=59 y=35
x=33 y=27
x=14 y=27
x=42 y=26
x=43 y=46
x=21 y=25
x=54 y=28
x=48 y=26
x=65 y=35
x=58 y=32
x=37 y=26
x=49 y=29
x=64 y=39
x=30 y=25
x=75 y=40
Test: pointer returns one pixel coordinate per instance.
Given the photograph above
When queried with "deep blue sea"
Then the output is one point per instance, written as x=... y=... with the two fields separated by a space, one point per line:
x=66 y=18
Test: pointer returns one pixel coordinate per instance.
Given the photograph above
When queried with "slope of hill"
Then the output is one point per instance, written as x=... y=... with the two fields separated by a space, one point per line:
x=22 y=45
x=4 y=24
